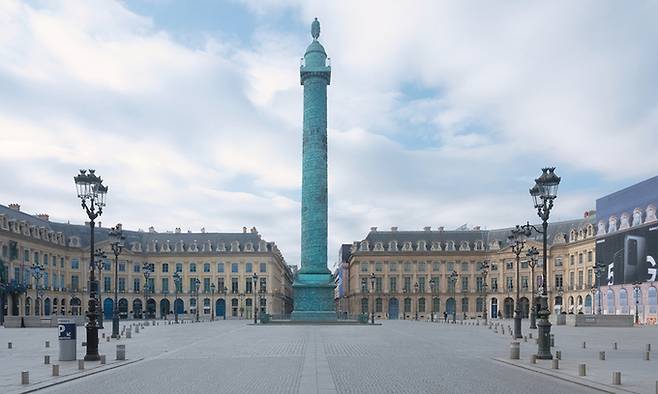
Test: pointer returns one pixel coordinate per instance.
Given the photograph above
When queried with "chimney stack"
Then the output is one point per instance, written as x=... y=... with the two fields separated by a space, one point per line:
x=441 y=228
x=15 y=207
x=394 y=228
x=427 y=228
x=44 y=216
x=373 y=229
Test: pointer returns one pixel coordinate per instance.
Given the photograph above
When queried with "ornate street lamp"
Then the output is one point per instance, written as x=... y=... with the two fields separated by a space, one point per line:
x=599 y=271
x=432 y=287
x=91 y=192
x=37 y=273
x=146 y=270
x=212 y=302
x=416 y=297
x=225 y=292
x=484 y=271
x=178 y=280
x=636 y=293
x=99 y=262
x=241 y=296
x=253 y=289
x=532 y=263
x=116 y=235
x=543 y=193
x=372 y=307
x=453 y=281
x=517 y=246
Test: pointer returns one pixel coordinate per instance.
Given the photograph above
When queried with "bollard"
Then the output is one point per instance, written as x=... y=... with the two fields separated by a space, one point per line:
x=648 y=347
x=25 y=377
x=614 y=345
x=46 y=359
x=616 y=378
x=647 y=356
x=103 y=335
x=582 y=370
x=584 y=345
x=558 y=354
x=81 y=365
x=525 y=339
x=47 y=343
x=514 y=351
x=103 y=360
x=555 y=363
x=55 y=369
x=107 y=339
x=533 y=359
x=601 y=355
x=9 y=345
x=137 y=330
x=530 y=335
x=129 y=334
x=121 y=352
x=552 y=340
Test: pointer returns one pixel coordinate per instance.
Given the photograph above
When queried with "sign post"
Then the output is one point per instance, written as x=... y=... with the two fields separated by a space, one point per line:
x=67 y=333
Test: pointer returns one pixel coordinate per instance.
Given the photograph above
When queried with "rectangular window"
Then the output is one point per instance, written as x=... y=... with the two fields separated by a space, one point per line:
x=248 y=268
x=263 y=267
x=435 y=279
x=524 y=282
x=165 y=267
x=61 y=262
x=248 y=285
x=558 y=280
x=393 y=266
x=407 y=284
x=122 y=266
x=107 y=266
x=45 y=260
x=192 y=267
x=263 y=285
x=509 y=265
x=580 y=259
x=421 y=284
x=589 y=278
x=407 y=267
x=5 y=251
x=580 y=279
x=494 y=267
x=122 y=285
x=464 y=267
x=137 y=267
x=378 y=284
x=220 y=285
x=572 y=259
x=572 y=281
x=136 y=285
x=464 y=283
x=206 y=285
x=590 y=256
x=363 y=266
x=26 y=255
x=450 y=267
x=179 y=267
x=220 y=267
x=75 y=282
x=151 y=285
x=479 y=283
x=421 y=266
x=524 y=263
x=234 y=267
x=558 y=261
x=206 y=267
x=75 y=264
x=193 y=285
x=392 y=284
x=436 y=266
x=234 y=285
x=379 y=266
x=165 y=285
x=62 y=285
x=107 y=284
x=510 y=283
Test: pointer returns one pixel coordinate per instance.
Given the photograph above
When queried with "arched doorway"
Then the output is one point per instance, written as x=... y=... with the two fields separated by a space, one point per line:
x=55 y=306
x=450 y=306
x=62 y=307
x=179 y=306
x=123 y=308
x=46 y=307
x=494 y=307
x=248 y=308
x=108 y=308
x=164 y=308
x=234 y=307
x=623 y=301
x=508 y=308
x=610 y=310
x=28 y=304
x=76 y=308
x=524 y=303
x=393 y=308
x=137 y=308
x=220 y=308
x=588 y=304
x=150 y=308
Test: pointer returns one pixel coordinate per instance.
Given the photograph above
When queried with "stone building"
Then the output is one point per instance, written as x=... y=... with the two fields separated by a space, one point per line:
x=227 y=260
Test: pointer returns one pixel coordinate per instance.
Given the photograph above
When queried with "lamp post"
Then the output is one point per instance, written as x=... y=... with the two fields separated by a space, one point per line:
x=599 y=271
x=416 y=297
x=532 y=263
x=225 y=291
x=453 y=280
x=241 y=295
x=212 y=302
x=116 y=234
x=517 y=246
x=636 y=293
x=253 y=289
x=37 y=273
x=593 y=290
x=432 y=287
x=404 y=306
x=99 y=263
x=484 y=270
x=177 y=282
x=544 y=192
x=372 y=307
x=197 y=282
x=91 y=192
x=146 y=270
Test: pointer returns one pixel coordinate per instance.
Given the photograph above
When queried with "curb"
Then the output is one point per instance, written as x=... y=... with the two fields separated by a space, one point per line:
x=76 y=377
x=581 y=382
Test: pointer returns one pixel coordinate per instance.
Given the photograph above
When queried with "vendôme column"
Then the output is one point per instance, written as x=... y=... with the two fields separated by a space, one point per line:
x=314 y=287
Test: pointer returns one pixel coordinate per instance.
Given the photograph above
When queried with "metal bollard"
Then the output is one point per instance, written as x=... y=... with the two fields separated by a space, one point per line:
x=558 y=354
x=530 y=335
x=121 y=352
x=584 y=345
x=9 y=345
x=47 y=343
x=601 y=355
x=103 y=359
x=648 y=347
x=582 y=370
x=107 y=339
x=525 y=339
x=137 y=330
x=533 y=359
x=616 y=378
x=81 y=365
x=555 y=363
x=46 y=359
x=25 y=377
x=514 y=351
x=614 y=345
x=129 y=334
x=55 y=370
x=647 y=356
x=552 y=340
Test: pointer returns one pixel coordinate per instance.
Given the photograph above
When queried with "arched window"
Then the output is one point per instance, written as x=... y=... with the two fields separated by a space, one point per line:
x=421 y=305
x=653 y=299
x=436 y=305
x=623 y=301
x=611 y=302
x=465 y=305
x=364 y=305
x=407 y=305
x=379 y=305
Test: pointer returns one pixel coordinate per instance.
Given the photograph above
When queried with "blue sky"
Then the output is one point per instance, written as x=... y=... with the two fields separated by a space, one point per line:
x=440 y=113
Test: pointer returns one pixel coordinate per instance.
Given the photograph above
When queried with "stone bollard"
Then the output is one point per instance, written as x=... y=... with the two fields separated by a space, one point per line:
x=647 y=356
x=103 y=359
x=601 y=355
x=137 y=330
x=46 y=359
x=555 y=363
x=55 y=370
x=530 y=335
x=616 y=378
x=584 y=345
x=525 y=339
x=514 y=351
x=47 y=343
x=81 y=365
x=25 y=377
x=121 y=352
x=614 y=346
x=107 y=339
x=533 y=359
x=552 y=340
x=129 y=334
x=558 y=354
x=9 y=345
x=582 y=370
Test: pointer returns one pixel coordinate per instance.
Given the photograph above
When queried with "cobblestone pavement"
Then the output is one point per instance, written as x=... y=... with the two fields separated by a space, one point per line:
x=234 y=357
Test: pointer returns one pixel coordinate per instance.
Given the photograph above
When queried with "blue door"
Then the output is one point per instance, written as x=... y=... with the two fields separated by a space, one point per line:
x=220 y=308
x=450 y=306
x=179 y=306
x=108 y=308
x=393 y=309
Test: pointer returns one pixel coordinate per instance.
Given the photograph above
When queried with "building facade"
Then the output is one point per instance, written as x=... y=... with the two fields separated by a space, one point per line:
x=227 y=260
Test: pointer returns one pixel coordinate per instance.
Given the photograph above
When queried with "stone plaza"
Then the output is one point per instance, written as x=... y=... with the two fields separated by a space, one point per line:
x=395 y=357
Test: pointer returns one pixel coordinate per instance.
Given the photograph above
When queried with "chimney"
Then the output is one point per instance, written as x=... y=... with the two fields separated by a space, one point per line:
x=394 y=228
x=44 y=216
x=244 y=230
x=373 y=229
x=441 y=228
x=177 y=231
x=427 y=228
x=203 y=230
x=151 y=229
x=476 y=228
x=15 y=207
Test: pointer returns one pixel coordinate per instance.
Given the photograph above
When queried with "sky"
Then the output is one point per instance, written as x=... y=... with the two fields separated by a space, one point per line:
x=439 y=113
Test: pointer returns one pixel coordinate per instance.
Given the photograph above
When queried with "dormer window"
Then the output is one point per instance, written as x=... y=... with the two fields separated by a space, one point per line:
x=479 y=245
x=249 y=247
x=464 y=246
x=436 y=246
x=364 y=246
x=379 y=247
x=450 y=246
x=422 y=246
x=393 y=246
x=407 y=246
x=235 y=246
x=572 y=236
